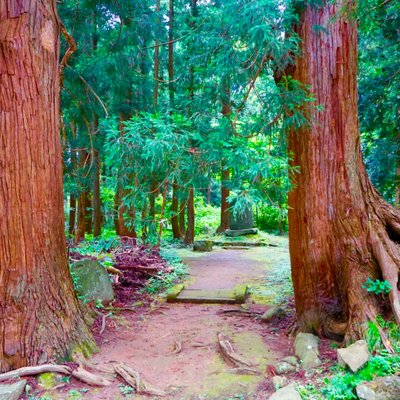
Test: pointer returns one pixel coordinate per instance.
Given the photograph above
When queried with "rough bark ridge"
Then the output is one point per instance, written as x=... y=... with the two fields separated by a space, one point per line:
x=39 y=313
x=341 y=231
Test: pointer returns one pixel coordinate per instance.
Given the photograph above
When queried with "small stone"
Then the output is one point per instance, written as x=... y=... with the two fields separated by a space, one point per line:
x=286 y=393
x=279 y=381
x=291 y=360
x=386 y=388
x=306 y=348
x=203 y=245
x=93 y=281
x=273 y=312
x=12 y=391
x=354 y=356
x=284 y=368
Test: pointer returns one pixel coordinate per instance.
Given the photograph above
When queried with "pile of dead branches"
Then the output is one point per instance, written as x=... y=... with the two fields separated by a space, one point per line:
x=137 y=263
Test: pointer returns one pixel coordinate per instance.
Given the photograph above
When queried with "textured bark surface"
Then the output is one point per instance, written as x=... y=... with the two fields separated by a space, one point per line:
x=224 y=225
x=341 y=232
x=72 y=214
x=176 y=229
x=39 y=313
x=189 y=235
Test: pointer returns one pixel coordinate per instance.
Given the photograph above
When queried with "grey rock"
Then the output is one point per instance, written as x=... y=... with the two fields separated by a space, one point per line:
x=12 y=391
x=279 y=381
x=291 y=360
x=273 y=312
x=93 y=281
x=203 y=245
x=354 y=356
x=386 y=388
x=284 y=368
x=240 y=232
x=286 y=393
x=306 y=348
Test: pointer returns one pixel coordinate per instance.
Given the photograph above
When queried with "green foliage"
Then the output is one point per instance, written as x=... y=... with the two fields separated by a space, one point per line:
x=341 y=385
x=208 y=218
x=377 y=286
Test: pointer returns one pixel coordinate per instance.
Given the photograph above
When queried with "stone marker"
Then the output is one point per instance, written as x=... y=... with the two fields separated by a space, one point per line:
x=286 y=393
x=354 y=356
x=386 y=388
x=12 y=391
x=93 y=281
x=203 y=245
x=306 y=348
x=241 y=223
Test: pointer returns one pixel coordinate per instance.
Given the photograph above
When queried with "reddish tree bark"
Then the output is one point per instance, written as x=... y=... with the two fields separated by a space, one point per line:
x=124 y=211
x=224 y=225
x=39 y=313
x=72 y=214
x=189 y=235
x=96 y=196
x=176 y=229
x=341 y=232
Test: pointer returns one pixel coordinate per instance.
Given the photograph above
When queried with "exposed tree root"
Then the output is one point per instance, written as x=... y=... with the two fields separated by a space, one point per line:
x=177 y=346
x=133 y=379
x=79 y=373
x=103 y=322
x=229 y=354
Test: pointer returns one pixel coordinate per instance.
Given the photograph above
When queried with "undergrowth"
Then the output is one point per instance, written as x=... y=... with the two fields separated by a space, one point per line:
x=165 y=280
x=341 y=384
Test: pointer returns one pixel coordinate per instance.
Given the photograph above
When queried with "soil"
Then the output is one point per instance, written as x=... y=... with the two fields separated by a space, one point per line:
x=174 y=346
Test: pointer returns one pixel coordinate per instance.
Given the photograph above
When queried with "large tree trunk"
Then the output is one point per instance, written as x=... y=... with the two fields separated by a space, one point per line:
x=39 y=313
x=341 y=232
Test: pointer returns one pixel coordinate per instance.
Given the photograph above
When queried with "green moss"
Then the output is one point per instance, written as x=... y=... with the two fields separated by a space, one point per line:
x=48 y=380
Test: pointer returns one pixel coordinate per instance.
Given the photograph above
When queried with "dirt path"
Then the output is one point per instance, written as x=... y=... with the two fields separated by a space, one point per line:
x=146 y=341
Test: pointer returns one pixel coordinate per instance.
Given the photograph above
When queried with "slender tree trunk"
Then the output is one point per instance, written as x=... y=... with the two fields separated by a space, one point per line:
x=176 y=230
x=156 y=60
x=96 y=196
x=225 y=173
x=40 y=317
x=189 y=236
x=181 y=212
x=171 y=86
x=81 y=225
x=124 y=211
x=341 y=232
x=224 y=225
x=88 y=214
x=72 y=214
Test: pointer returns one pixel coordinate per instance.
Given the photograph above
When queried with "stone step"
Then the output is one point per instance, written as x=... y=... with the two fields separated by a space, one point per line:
x=211 y=296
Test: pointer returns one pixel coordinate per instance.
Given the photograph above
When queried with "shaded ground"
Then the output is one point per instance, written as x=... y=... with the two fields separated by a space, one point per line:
x=174 y=346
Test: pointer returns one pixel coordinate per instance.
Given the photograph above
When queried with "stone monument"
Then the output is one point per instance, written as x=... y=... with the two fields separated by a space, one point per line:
x=241 y=223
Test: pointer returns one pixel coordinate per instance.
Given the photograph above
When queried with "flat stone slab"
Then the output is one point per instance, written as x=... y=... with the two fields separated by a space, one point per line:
x=240 y=232
x=216 y=296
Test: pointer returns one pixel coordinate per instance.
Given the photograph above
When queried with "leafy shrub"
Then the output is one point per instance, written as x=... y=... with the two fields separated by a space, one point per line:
x=272 y=218
x=377 y=286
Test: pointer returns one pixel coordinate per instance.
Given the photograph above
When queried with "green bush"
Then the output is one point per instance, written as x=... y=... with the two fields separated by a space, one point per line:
x=272 y=218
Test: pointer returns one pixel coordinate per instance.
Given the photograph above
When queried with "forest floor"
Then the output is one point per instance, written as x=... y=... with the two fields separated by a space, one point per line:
x=174 y=346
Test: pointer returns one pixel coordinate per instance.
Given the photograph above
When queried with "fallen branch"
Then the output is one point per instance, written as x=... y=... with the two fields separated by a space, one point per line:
x=133 y=379
x=177 y=347
x=229 y=354
x=103 y=322
x=113 y=270
x=79 y=373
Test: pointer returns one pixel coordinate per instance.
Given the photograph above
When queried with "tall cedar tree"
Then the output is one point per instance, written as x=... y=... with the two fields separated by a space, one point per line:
x=39 y=313
x=341 y=231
